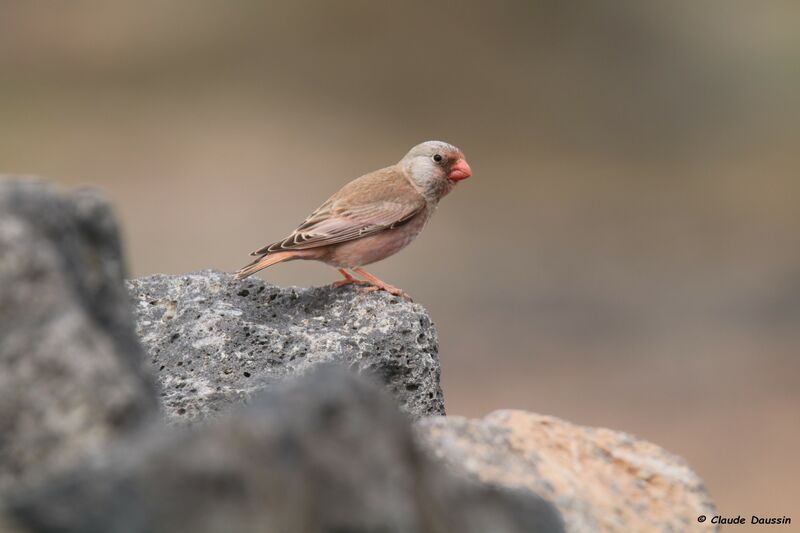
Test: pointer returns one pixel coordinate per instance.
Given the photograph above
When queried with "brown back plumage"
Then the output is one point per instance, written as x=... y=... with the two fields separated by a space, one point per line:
x=375 y=202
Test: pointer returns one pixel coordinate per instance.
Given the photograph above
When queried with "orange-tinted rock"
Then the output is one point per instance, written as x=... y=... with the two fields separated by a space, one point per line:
x=600 y=480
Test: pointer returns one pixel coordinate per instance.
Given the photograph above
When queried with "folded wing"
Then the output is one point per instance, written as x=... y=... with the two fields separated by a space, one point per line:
x=376 y=202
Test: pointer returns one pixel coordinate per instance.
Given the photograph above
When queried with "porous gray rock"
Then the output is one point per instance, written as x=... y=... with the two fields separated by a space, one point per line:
x=329 y=453
x=71 y=374
x=600 y=480
x=214 y=341
x=82 y=450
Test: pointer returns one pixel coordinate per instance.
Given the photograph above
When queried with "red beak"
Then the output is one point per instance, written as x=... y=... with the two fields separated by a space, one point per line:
x=460 y=171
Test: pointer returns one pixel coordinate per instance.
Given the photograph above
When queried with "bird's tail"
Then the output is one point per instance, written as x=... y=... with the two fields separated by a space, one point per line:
x=263 y=262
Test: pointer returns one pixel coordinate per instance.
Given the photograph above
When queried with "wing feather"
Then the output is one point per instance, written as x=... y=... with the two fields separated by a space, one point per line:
x=376 y=202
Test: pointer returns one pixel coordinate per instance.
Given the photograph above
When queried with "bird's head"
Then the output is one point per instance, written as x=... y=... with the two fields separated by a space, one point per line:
x=435 y=167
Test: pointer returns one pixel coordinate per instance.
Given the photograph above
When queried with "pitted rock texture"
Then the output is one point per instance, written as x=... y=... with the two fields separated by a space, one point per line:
x=328 y=453
x=600 y=480
x=71 y=374
x=213 y=341
x=82 y=450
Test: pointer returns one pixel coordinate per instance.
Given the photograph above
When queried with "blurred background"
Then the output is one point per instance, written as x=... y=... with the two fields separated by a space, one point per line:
x=627 y=253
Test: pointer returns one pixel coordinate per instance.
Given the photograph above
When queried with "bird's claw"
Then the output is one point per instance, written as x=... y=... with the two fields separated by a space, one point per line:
x=345 y=282
x=394 y=291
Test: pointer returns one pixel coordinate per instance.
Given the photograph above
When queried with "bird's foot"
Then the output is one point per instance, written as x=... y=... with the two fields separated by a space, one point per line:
x=348 y=280
x=394 y=291
x=378 y=285
x=345 y=282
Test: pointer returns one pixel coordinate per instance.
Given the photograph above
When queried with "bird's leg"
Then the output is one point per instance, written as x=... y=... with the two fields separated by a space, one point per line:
x=378 y=285
x=348 y=280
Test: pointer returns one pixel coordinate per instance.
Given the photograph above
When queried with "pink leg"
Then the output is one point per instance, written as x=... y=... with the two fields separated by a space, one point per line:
x=348 y=280
x=378 y=285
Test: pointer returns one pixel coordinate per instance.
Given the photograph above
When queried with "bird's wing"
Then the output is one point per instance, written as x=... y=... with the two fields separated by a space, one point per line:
x=375 y=202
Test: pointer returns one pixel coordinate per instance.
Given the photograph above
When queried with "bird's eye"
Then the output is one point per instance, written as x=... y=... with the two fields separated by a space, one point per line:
x=437 y=158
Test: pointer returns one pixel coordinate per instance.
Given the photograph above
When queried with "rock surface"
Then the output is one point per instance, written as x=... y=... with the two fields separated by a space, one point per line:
x=83 y=450
x=600 y=480
x=71 y=378
x=214 y=341
x=330 y=453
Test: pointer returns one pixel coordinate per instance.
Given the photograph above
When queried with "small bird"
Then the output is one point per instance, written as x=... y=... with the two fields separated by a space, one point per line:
x=372 y=217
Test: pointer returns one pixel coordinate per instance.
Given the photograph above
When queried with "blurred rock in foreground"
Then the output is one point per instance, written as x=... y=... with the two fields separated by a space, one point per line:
x=213 y=341
x=70 y=364
x=317 y=448
x=329 y=453
x=600 y=480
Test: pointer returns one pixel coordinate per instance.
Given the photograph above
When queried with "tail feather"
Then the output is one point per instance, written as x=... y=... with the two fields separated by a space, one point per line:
x=263 y=262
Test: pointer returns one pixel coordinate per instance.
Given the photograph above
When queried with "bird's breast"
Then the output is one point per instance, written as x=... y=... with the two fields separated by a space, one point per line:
x=373 y=248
